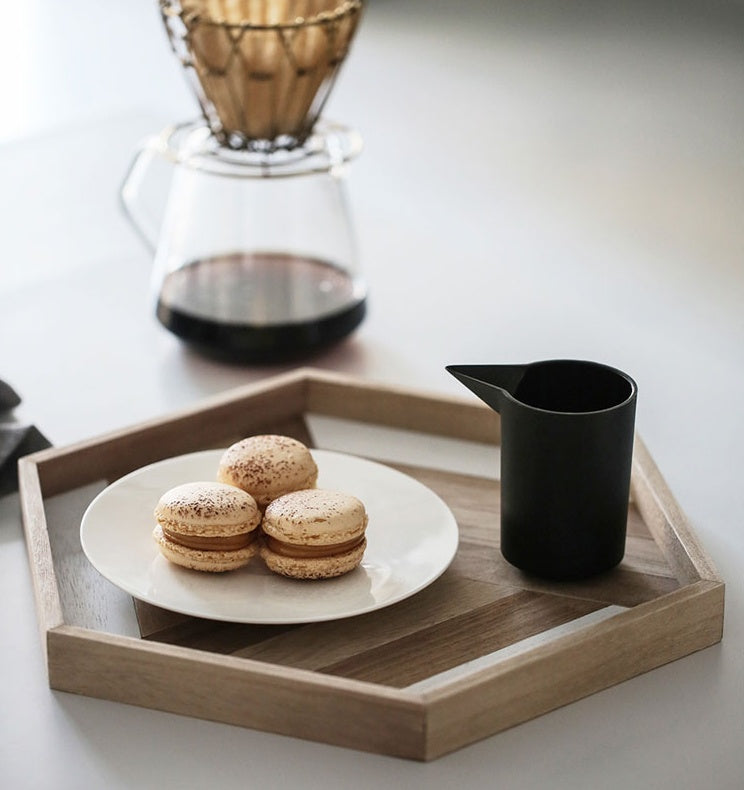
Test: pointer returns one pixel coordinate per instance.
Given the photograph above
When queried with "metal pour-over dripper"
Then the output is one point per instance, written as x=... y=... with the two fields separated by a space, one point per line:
x=261 y=69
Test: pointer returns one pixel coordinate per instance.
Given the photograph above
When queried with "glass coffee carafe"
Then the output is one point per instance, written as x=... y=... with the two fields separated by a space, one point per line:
x=255 y=257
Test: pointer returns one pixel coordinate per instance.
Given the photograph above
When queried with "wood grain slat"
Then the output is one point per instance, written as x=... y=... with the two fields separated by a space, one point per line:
x=619 y=586
x=160 y=625
x=468 y=636
x=222 y=638
x=320 y=644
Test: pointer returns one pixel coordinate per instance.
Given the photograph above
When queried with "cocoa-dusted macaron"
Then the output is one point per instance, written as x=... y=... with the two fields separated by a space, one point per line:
x=268 y=466
x=207 y=526
x=314 y=534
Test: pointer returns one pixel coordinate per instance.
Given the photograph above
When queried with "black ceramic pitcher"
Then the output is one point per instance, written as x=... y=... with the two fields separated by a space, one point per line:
x=567 y=430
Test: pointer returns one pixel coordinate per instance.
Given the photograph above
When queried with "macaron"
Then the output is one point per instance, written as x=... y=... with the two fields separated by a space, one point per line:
x=314 y=534
x=207 y=526
x=268 y=466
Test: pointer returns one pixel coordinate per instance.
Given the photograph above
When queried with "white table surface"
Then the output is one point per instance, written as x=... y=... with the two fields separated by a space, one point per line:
x=539 y=180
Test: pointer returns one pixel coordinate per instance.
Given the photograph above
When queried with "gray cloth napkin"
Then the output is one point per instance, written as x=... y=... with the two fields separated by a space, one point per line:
x=16 y=439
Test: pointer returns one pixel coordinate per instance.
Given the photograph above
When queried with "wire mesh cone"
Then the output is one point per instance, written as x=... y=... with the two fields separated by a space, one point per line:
x=262 y=69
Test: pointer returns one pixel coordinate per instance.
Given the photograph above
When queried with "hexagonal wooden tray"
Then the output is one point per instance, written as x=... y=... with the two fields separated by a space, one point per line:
x=483 y=648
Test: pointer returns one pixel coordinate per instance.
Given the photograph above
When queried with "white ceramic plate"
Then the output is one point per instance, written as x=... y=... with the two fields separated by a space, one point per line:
x=411 y=539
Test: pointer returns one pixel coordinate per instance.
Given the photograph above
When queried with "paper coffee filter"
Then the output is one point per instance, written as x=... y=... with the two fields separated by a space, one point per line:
x=263 y=68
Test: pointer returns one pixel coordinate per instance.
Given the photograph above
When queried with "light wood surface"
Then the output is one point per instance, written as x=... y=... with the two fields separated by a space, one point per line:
x=236 y=691
x=667 y=523
x=46 y=593
x=349 y=397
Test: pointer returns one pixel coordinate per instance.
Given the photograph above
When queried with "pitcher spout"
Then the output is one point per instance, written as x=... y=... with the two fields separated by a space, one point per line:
x=489 y=382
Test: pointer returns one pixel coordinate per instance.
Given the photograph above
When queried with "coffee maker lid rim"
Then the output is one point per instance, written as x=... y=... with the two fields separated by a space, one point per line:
x=335 y=145
x=343 y=9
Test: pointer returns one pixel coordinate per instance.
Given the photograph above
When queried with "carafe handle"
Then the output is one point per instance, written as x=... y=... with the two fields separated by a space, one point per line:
x=142 y=201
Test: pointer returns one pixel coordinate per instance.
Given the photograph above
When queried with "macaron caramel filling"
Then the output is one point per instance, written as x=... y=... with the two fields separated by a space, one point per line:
x=309 y=552
x=212 y=542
